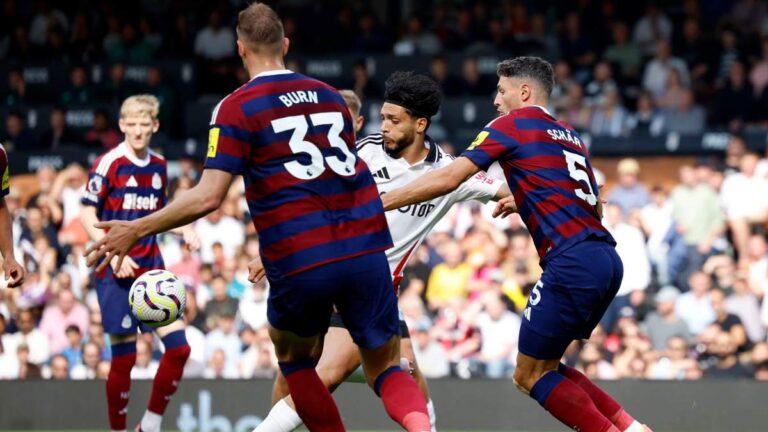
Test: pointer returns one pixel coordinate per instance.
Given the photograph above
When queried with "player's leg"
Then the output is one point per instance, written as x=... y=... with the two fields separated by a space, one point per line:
x=121 y=325
x=340 y=358
x=299 y=310
x=368 y=306
x=168 y=374
x=406 y=352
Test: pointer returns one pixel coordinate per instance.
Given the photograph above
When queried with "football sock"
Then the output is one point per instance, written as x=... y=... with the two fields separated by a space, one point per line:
x=403 y=399
x=570 y=404
x=432 y=416
x=281 y=418
x=602 y=400
x=313 y=401
x=167 y=379
x=119 y=383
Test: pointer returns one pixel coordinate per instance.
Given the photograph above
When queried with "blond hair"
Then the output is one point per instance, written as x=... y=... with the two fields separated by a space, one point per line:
x=353 y=102
x=141 y=104
x=259 y=27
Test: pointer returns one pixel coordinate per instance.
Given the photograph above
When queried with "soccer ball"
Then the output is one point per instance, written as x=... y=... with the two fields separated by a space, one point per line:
x=157 y=298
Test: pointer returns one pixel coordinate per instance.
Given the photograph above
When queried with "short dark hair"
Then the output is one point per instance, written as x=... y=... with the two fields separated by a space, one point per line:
x=535 y=68
x=419 y=94
x=259 y=27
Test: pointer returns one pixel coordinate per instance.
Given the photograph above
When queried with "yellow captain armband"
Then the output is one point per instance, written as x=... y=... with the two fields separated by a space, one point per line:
x=478 y=140
x=213 y=141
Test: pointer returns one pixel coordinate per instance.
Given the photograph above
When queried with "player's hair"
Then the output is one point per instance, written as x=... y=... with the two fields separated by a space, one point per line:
x=259 y=27
x=141 y=104
x=535 y=68
x=419 y=94
x=353 y=102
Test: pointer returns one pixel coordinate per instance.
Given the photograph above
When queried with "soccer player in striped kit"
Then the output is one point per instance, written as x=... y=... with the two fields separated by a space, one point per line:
x=126 y=183
x=546 y=166
x=321 y=224
x=14 y=272
x=399 y=154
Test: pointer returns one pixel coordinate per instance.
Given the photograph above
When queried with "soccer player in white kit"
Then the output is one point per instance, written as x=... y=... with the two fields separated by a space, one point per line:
x=398 y=155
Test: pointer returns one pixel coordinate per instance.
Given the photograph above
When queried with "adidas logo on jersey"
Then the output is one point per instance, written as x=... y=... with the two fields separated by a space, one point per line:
x=382 y=174
x=132 y=182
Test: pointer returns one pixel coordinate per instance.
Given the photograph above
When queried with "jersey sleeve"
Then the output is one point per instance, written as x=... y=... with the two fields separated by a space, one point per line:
x=228 y=139
x=490 y=145
x=6 y=182
x=97 y=188
x=480 y=187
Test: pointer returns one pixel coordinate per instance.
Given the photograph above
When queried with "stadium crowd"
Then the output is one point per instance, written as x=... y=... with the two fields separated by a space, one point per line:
x=693 y=303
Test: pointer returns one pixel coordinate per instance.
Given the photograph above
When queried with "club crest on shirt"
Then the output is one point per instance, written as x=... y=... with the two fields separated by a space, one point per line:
x=157 y=182
x=94 y=185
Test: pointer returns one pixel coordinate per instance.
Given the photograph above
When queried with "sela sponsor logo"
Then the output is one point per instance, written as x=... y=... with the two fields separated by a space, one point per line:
x=205 y=422
x=133 y=201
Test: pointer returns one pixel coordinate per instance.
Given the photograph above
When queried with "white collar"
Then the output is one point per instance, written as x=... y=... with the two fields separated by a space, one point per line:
x=128 y=153
x=273 y=72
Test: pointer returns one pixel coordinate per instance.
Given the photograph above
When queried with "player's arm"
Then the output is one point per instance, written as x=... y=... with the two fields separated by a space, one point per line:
x=195 y=203
x=432 y=185
x=14 y=272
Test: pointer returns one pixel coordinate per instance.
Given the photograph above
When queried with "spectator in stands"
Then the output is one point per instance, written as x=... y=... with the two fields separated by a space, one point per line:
x=674 y=363
x=169 y=111
x=726 y=363
x=629 y=193
x=693 y=48
x=91 y=359
x=646 y=119
x=16 y=135
x=695 y=306
x=498 y=328
x=45 y=18
x=224 y=337
x=145 y=367
x=624 y=53
x=57 y=317
x=27 y=369
x=574 y=109
x=652 y=27
x=178 y=41
x=220 y=303
x=9 y=363
x=215 y=41
x=82 y=44
x=73 y=352
x=637 y=268
x=417 y=40
x=253 y=305
x=728 y=322
x=219 y=368
x=29 y=335
x=431 y=356
x=473 y=82
x=59 y=134
x=593 y=362
x=362 y=83
x=219 y=228
x=685 y=116
x=370 y=36
x=758 y=75
x=576 y=45
x=448 y=280
x=727 y=55
x=734 y=99
x=131 y=47
x=79 y=92
x=563 y=80
x=439 y=71
x=102 y=135
x=17 y=91
x=602 y=82
x=760 y=361
x=59 y=369
x=664 y=323
x=115 y=88
x=698 y=223
x=744 y=304
x=610 y=118
x=657 y=70
x=745 y=202
x=669 y=97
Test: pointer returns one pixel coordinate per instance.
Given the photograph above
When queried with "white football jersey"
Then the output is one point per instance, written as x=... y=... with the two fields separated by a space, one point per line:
x=411 y=224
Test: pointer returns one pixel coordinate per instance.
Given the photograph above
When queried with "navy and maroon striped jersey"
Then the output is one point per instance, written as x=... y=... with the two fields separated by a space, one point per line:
x=312 y=200
x=547 y=168
x=123 y=187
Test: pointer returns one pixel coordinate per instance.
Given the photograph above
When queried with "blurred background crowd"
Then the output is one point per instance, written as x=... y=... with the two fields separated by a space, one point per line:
x=692 y=236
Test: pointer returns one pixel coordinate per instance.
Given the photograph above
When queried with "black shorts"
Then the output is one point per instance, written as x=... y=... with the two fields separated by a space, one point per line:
x=336 y=321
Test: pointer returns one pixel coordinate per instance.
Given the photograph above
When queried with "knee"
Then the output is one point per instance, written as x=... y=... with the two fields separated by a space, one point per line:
x=525 y=379
x=331 y=375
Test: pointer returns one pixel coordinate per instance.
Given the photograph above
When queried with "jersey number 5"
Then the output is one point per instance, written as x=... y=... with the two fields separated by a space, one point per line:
x=580 y=175
x=316 y=167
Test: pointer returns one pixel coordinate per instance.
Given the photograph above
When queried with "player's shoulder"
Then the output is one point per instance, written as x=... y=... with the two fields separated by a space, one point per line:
x=157 y=158
x=108 y=159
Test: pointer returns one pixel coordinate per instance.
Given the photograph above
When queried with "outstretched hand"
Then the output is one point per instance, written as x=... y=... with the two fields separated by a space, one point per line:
x=120 y=238
x=256 y=270
x=505 y=207
x=14 y=272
